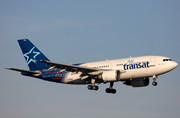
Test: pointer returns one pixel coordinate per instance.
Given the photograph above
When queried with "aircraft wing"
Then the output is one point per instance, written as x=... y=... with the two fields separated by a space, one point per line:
x=74 y=68
x=26 y=71
x=67 y=67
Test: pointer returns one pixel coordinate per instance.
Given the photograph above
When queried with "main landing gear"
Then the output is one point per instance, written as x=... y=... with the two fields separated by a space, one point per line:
x=93 y=86
x=154 y=83
x=110 y=89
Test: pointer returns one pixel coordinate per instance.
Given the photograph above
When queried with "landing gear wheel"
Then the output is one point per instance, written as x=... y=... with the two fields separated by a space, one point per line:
x=113 y=91
x=90 y=87
x=95 y=88
x=109 y=90
x=154 y=83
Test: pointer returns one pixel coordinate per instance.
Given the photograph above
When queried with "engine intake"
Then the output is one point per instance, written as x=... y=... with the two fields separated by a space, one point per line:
x=107 y=76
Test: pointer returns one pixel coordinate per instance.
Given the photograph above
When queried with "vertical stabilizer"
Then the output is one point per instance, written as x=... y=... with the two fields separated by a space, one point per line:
x=32 y=55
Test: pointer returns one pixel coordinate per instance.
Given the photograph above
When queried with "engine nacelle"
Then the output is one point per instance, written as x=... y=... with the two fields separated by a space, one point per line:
x=108 y=76
x=138 y=82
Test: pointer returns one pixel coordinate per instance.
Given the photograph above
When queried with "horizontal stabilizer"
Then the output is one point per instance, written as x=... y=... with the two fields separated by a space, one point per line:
x=26 y=71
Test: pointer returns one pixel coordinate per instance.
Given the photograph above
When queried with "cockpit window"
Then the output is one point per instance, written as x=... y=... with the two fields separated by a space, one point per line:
x=167 y=59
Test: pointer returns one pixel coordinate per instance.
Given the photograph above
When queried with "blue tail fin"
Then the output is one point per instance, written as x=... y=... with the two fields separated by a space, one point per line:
x=32 y=55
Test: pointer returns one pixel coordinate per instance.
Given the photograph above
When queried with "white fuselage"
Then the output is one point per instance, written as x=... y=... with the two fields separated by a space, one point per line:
x=134 y=67
x=133 y=71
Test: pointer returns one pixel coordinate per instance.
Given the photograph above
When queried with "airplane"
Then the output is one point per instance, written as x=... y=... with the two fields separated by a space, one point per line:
x=133 y=71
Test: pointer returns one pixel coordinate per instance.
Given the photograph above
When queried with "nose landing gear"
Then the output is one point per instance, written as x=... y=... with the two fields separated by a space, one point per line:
x=154 y=83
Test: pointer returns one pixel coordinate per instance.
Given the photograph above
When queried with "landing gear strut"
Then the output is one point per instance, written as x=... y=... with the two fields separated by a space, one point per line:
x=110 y=89
x=154 y=83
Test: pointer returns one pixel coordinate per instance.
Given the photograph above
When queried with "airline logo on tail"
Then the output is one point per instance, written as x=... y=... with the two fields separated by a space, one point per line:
x=31 y=56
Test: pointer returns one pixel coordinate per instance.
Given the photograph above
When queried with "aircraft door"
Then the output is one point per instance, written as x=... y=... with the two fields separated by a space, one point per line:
x=111 y=65
x=152 y=61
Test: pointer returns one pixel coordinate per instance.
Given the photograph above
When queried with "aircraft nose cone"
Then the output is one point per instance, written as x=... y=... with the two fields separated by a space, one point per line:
x=175 y=64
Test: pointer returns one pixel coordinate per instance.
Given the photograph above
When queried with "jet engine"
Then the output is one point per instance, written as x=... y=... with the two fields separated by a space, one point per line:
x=140 y=82
x=107 y=76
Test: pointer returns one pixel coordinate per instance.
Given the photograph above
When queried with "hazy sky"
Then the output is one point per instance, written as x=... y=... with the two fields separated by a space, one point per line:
x=73 y=31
